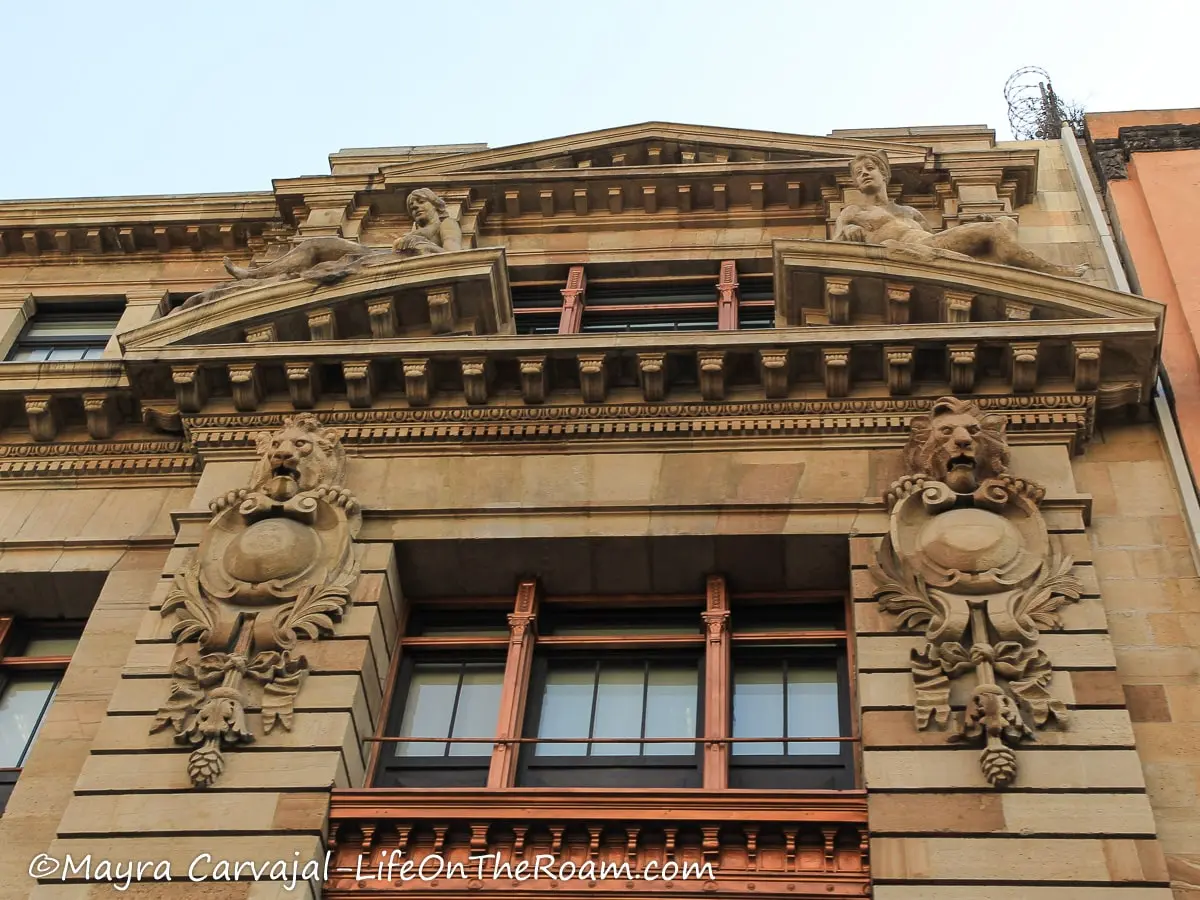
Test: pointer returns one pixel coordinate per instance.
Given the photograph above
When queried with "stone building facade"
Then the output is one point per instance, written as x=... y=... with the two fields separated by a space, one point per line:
x=789 y=515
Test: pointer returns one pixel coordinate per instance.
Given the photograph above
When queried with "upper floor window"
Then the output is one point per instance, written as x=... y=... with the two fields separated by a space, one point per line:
x=62 y=333
x=625 y=692
x=622 y=308
x=33 y=657
x=609 y=304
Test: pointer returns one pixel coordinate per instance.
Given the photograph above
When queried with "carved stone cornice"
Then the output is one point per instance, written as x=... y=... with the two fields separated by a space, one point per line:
x=827 y=360
x=1111 y=154
x=219 y=223
x=98 y=460
x=878 y=422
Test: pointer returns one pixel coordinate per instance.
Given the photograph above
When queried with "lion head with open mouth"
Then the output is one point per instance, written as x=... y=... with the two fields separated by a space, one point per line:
x=958 y=444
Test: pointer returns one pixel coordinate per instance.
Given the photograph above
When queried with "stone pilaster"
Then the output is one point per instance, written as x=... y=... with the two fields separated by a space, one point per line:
x=15 y=310
x=140 y=307
x=1074 y=818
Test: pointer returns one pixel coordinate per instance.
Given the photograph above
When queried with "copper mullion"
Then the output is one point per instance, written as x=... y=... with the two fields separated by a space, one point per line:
x=727 y=297
x=574 y=294
x=716 y=681
x=518 y=664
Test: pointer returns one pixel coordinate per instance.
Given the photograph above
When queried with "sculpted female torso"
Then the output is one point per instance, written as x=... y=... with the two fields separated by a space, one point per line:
x=892 y=222
x=878 y=220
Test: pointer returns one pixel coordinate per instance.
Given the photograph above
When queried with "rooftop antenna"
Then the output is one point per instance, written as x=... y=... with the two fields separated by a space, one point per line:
x=1035 y=111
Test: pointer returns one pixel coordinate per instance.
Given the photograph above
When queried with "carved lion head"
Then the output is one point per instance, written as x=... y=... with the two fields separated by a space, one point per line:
x=302 y=450
x=957 y=443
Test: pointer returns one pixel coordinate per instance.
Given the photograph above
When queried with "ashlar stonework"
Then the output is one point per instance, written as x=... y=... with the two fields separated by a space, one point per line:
x=275 y=566
x=969 y=562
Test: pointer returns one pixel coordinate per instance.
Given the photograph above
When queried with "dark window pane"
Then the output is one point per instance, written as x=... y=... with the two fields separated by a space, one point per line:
x=793 y=616
x=49 y=646
x=428 y=622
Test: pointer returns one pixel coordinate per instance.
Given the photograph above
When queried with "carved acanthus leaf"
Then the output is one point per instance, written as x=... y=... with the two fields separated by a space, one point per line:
x=312 y=615
x=1038 y=607
x=903 y=594
x=196 y=617
x=183 y=702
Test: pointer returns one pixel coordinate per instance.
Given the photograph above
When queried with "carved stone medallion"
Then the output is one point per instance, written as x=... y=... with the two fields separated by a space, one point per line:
x=275 y=566
x=968 y=562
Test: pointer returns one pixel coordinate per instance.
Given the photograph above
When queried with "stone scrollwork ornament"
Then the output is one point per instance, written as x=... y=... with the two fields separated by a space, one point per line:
x=275 y=566
x=968 y=562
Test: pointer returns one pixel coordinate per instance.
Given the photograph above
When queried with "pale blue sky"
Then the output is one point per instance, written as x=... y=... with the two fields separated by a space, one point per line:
x=141 y=98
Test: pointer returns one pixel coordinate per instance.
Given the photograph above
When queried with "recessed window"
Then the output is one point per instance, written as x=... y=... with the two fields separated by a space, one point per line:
x=650 y=307
x=655 y=691
x=66 y=334
x=33 y=657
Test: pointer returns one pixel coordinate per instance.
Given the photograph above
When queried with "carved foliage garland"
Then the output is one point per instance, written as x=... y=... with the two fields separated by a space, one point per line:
x=968 y=563
x=275 y=567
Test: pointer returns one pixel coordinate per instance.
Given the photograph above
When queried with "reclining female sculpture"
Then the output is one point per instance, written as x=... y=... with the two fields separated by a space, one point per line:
x=330 y=259
x=878 y=220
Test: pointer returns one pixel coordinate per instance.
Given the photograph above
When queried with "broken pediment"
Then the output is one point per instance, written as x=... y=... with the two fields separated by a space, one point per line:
x=462 y=292
x=1095 y=338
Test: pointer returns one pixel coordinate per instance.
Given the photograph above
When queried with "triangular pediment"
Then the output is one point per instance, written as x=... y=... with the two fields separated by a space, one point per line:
x=657 y=144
